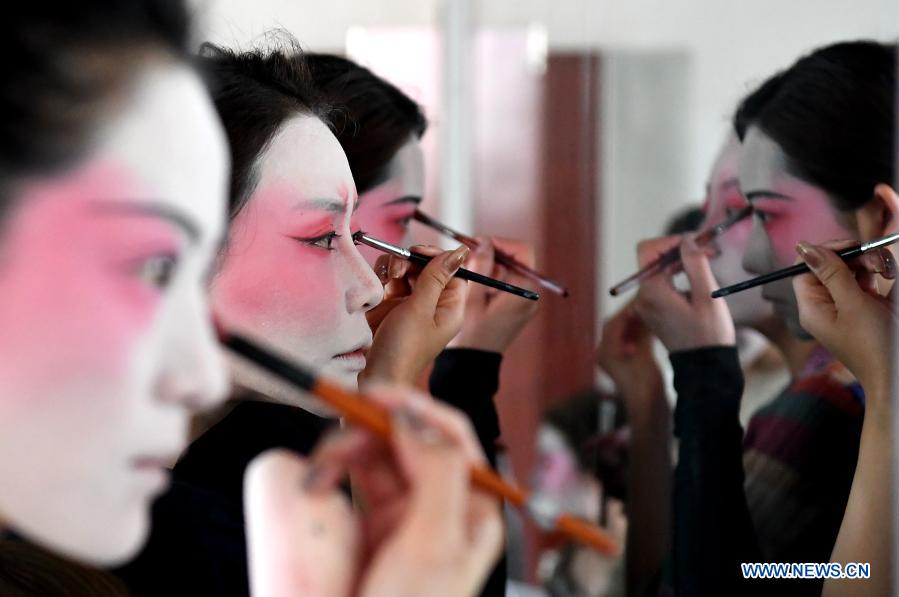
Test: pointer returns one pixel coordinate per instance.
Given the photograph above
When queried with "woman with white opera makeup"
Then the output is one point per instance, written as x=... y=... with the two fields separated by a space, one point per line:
x=816 y=162
x=291 y=276
x=113 y=186
x=114 y=177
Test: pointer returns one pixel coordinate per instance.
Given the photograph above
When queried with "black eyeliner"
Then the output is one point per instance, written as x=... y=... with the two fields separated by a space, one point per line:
x=316 y=239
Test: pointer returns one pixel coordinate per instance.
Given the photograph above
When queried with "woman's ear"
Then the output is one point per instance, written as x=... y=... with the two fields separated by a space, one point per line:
x=880 y=216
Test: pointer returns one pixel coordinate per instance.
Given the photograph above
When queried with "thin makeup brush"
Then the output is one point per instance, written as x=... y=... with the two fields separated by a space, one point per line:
x=358 y=410
x=802 y=268
x=500 y=255
x=672 y=256
x=418 y=258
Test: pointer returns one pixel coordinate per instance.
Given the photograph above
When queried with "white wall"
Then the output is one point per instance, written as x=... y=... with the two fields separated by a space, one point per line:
x=646 y=126
x=733 y=43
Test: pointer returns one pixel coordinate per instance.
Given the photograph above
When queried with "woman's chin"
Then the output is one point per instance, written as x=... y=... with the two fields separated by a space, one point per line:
x=348 y=378
x=101 y=548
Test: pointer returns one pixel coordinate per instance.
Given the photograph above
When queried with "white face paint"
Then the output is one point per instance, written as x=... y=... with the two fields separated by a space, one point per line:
x=292 y=275
x=787 y=210
x=386 y=210
x=723 y=199
x=107 y=345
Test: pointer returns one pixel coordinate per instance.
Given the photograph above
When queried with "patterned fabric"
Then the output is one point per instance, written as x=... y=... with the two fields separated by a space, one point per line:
x=799 y=457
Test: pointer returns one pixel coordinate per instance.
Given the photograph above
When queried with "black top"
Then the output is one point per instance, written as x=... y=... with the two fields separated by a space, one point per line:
x=469 y=379
x=197 y=544
x=712 y=529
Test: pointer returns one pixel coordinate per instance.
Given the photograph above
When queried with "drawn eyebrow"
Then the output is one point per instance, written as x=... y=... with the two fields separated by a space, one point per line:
x=154 y=209
x=405 y=199
x=766 y=195
x=331 y=205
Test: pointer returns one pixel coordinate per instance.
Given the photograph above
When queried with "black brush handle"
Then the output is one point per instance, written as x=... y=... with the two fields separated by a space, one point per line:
x=787 y=272
x=465 y=274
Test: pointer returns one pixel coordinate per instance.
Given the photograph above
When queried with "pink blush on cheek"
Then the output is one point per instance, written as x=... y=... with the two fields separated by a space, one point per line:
x=268 y=289
x=809 y=216
x=65 y=309
x=272 y=282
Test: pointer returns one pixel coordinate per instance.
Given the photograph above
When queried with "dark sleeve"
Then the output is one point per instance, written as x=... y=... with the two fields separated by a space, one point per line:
x=468 y=379
x=713 y=531
x=196 y=547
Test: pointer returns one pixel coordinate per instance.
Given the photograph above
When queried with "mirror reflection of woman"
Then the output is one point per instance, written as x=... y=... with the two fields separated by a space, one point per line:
x=804 y=185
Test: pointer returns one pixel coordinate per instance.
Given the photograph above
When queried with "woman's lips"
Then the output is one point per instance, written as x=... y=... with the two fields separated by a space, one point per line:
x=153 y=462
x=354 y=359
x=155 y=469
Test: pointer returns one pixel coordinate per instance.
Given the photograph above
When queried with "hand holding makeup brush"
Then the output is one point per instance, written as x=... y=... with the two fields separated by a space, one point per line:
x=494 y=319
x=841 y=306
x=839 y=303
x=423 y=309
x=683 y=321
x=421 y=530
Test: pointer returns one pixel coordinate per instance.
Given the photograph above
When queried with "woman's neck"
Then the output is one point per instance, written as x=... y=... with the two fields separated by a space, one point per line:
x=796 y=351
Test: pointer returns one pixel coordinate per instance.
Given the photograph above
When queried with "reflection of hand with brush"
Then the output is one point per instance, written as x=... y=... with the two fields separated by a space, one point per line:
x=843 y=305
x=669 y=260
x=507 y=258
x=683 y=321
x=494 y=319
